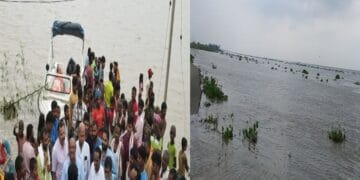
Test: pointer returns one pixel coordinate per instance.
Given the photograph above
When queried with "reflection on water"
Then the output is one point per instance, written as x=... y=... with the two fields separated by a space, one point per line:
x=294 y=116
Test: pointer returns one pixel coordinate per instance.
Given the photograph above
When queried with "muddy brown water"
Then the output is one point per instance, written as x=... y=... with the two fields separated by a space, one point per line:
x=294 y=116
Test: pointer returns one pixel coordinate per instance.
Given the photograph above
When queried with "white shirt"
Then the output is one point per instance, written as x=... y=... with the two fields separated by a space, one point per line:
x=100 y=175
x=59 y=156
x=78 y=113
x=83 y=154
x=139 y=126
x=117 y=154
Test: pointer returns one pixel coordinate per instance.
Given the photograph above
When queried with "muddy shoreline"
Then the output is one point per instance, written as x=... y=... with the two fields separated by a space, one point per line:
x=195 y=91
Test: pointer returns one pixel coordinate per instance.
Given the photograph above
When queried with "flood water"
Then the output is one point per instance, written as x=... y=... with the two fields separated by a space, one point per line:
x=134 y=33
x=294 y=117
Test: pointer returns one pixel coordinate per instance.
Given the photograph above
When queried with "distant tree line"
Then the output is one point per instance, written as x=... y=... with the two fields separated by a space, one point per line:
x=206 y=47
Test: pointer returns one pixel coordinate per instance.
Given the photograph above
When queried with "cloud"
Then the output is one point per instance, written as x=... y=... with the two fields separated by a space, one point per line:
x=314 y=31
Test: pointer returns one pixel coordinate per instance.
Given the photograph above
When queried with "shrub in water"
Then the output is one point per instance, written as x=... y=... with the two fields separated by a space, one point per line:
x=211 y=120
x=227 y=133
x=337 y=134
x=337 y=77
x=212 y=90
x=305 y=72
x=251 y=133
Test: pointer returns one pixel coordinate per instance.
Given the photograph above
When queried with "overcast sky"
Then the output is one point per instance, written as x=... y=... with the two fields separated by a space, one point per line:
x=325 y=32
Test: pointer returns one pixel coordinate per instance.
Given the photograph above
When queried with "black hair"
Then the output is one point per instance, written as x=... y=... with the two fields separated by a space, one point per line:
x=111 y=76
x=141 y=78
x=134 y=152
x=174 y=173
x=111 y=66
x=32 y=164
x=108 y=162
x=66 y=107
x=80 y=93
x=18 y=163
x=29 y=132
x=133 y=88
x=130 y=120
x=115 y=63
x=142 y=152
x=125 y=104
x=97 y=150
x=163 y=106
x=156 y=158
x=86 y=117
x=53 y=105
x=61 y=124
x=77 y=69
x=72 y=172
x=41 y=126
x=104 y=130
x=49 y=118
x=89 y=51
x=183 y=142
x=141 y=103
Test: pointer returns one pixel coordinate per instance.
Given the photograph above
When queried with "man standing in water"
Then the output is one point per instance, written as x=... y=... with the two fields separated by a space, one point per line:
x=83 y=150
x=59 y=153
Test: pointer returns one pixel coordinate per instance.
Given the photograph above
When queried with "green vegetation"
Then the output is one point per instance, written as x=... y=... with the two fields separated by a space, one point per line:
x=318 y=74
x=357 y=83
x=227 y=133
x=206 y=47
x=213 y=91
x=212 y=121
x=291 y=70
x=337 y=134
x=337 y=77
x=191 y=59
x=305 y=71
x=251 y=133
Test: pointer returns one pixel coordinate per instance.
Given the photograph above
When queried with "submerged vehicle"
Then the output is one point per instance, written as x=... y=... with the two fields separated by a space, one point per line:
x=58 y=85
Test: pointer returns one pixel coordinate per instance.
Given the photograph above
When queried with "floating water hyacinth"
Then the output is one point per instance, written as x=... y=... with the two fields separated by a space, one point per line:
x=251 y=133
x=337 y=134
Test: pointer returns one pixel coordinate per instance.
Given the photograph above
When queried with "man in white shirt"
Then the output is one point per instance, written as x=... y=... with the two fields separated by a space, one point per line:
x=59 y=153
x=96 y=170
x=83 y=150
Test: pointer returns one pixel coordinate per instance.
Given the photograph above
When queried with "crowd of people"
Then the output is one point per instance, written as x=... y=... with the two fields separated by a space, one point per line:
x=102 y=134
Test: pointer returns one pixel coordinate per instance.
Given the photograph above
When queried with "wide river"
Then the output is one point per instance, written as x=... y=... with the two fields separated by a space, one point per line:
x=294 y=117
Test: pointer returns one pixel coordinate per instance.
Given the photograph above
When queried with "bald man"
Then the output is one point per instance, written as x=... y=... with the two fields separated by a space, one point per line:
x=83 y=149
x=72 y=159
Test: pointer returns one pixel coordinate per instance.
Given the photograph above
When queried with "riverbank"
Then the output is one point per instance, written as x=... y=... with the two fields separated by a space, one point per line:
x=195 y=91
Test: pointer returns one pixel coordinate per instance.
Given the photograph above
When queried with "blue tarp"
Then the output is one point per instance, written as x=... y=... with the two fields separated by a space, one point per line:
x=67 y=28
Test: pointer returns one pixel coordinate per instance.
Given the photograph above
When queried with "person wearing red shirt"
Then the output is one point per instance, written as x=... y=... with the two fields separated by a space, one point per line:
x=98 y=115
